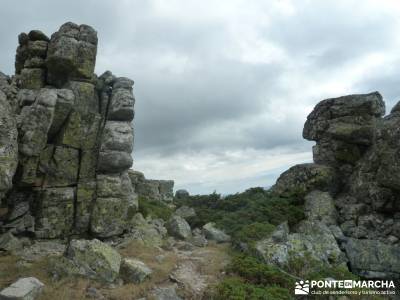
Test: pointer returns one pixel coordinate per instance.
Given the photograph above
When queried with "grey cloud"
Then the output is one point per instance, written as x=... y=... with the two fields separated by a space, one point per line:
x=194 y=91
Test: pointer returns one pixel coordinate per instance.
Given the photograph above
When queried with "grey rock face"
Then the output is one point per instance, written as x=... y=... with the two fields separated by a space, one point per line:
x=302 y=179
x=8 y=145
x=28 y=288
x=66 y=140
x=159 y=190
x=181 y=194
x=371 y=258
x=71 y=53
x=358 y=197
x=319 y=206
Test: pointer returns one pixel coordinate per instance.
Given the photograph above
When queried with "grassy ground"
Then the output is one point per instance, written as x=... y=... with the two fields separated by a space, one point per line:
x=11 y=268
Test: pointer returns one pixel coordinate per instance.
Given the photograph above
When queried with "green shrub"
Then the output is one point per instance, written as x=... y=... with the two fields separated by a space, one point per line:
x=253 y=232
x=234 y=213
x=256 y=272
x=236 y=289
x=155 y=209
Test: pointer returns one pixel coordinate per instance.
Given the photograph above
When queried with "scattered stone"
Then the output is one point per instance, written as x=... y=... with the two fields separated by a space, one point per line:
x=28 y=288
x=215 y=234
x=134 y=270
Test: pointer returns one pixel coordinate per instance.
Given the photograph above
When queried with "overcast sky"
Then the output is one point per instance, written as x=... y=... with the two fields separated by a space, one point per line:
x=223 y=87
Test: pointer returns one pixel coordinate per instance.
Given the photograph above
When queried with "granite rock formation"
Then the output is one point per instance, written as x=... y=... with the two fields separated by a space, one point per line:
x=353 y=186
x=158 y=190
x=65 y=140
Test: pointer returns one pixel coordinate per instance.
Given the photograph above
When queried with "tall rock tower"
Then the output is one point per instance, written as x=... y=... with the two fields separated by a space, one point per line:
x=66 y=139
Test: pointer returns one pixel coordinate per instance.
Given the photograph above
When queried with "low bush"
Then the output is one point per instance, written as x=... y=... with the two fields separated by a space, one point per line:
x=155 y=209
x=235 y=289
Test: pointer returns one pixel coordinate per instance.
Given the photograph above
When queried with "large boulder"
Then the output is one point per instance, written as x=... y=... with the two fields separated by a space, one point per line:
x=179 y=228
x=28 y=288
x=211 y=232
x=185 y=212
x=72 y=53
x=94 y=259
x=304 y=178
x=313 y=240
x=134 y=270
x=147 y=231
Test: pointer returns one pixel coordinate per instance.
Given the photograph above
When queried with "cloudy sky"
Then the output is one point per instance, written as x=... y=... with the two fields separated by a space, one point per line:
x=223 y=87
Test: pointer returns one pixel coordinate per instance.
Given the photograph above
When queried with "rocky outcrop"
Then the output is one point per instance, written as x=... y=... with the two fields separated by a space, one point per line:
x=65 y=140
x=353 y=185
x=158 y=190
x=94 y=259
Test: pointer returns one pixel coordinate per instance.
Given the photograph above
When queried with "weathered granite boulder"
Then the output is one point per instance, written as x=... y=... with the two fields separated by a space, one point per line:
x=147 y=231
x=65 y=140
x=28 y=288
x=313 y=240
x=71 y=53
x=185 y=212
x=8 y=145
x=94 y=259
x=214 y=234
x=358 y=201
x=134 y=270
x=178 y=227
x=304 y=178
x=159 y=190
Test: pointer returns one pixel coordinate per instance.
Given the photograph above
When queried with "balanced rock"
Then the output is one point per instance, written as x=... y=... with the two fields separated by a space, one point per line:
x=178 y=227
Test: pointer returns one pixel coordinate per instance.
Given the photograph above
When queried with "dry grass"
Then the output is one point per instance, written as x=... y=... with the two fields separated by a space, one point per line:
x=11 y=268
x=160 y=271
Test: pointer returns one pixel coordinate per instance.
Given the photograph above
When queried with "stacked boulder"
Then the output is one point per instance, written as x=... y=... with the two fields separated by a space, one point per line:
x=353 y=185
x=65 y=140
